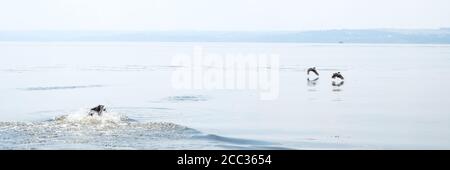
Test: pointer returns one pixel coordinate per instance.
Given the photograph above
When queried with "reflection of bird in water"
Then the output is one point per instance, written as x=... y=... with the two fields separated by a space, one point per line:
x=337 y=75
x=312 y=70
x=312 y=82
x=337 y=84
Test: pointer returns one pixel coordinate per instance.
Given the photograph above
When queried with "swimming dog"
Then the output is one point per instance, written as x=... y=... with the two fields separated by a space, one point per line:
x=99 y=110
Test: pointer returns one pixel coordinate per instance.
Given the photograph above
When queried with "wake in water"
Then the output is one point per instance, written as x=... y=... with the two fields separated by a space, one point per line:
x=112 y=130
x=60 y=88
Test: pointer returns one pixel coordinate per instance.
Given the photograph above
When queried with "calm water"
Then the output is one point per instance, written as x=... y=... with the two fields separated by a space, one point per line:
x=394 y=97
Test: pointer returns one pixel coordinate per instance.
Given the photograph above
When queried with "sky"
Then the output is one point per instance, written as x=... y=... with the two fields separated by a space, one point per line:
x=221 y=15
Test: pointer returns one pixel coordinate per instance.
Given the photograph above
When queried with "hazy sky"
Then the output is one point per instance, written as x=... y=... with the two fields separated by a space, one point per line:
x=221 y=14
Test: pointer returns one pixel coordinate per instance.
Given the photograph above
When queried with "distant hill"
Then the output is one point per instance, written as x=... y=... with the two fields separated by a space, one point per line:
x=424 y=36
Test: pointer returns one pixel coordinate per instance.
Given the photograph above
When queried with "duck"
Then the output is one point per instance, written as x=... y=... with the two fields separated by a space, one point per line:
x=313 y=69
x=337 y=75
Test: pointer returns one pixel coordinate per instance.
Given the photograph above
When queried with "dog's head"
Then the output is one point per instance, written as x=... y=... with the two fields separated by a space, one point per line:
x=102 y=107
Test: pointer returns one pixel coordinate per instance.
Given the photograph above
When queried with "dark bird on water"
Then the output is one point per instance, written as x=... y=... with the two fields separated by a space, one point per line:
x=337 y=75
x=312 y=70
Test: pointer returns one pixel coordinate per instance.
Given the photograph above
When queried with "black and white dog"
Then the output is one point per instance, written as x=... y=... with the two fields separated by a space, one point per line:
x=97 y=110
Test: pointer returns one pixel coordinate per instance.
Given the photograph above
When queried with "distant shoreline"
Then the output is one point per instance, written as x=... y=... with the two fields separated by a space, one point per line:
x=366 y=36
x=200 y=43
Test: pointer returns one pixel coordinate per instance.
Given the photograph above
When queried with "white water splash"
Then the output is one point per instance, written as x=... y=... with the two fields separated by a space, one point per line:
x=82 y=116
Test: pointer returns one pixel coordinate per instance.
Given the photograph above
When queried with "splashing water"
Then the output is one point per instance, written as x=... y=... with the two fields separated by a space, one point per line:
x=80 y=131
x=81 y=116
x=112 y=130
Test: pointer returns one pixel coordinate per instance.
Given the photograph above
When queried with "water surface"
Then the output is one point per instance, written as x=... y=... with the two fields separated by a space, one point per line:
x=394 y=97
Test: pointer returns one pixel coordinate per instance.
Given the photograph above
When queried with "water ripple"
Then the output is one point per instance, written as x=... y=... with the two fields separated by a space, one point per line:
x=60 y=87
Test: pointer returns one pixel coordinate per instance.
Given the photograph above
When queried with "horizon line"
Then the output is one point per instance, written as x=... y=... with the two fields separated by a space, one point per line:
x=193 y=30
